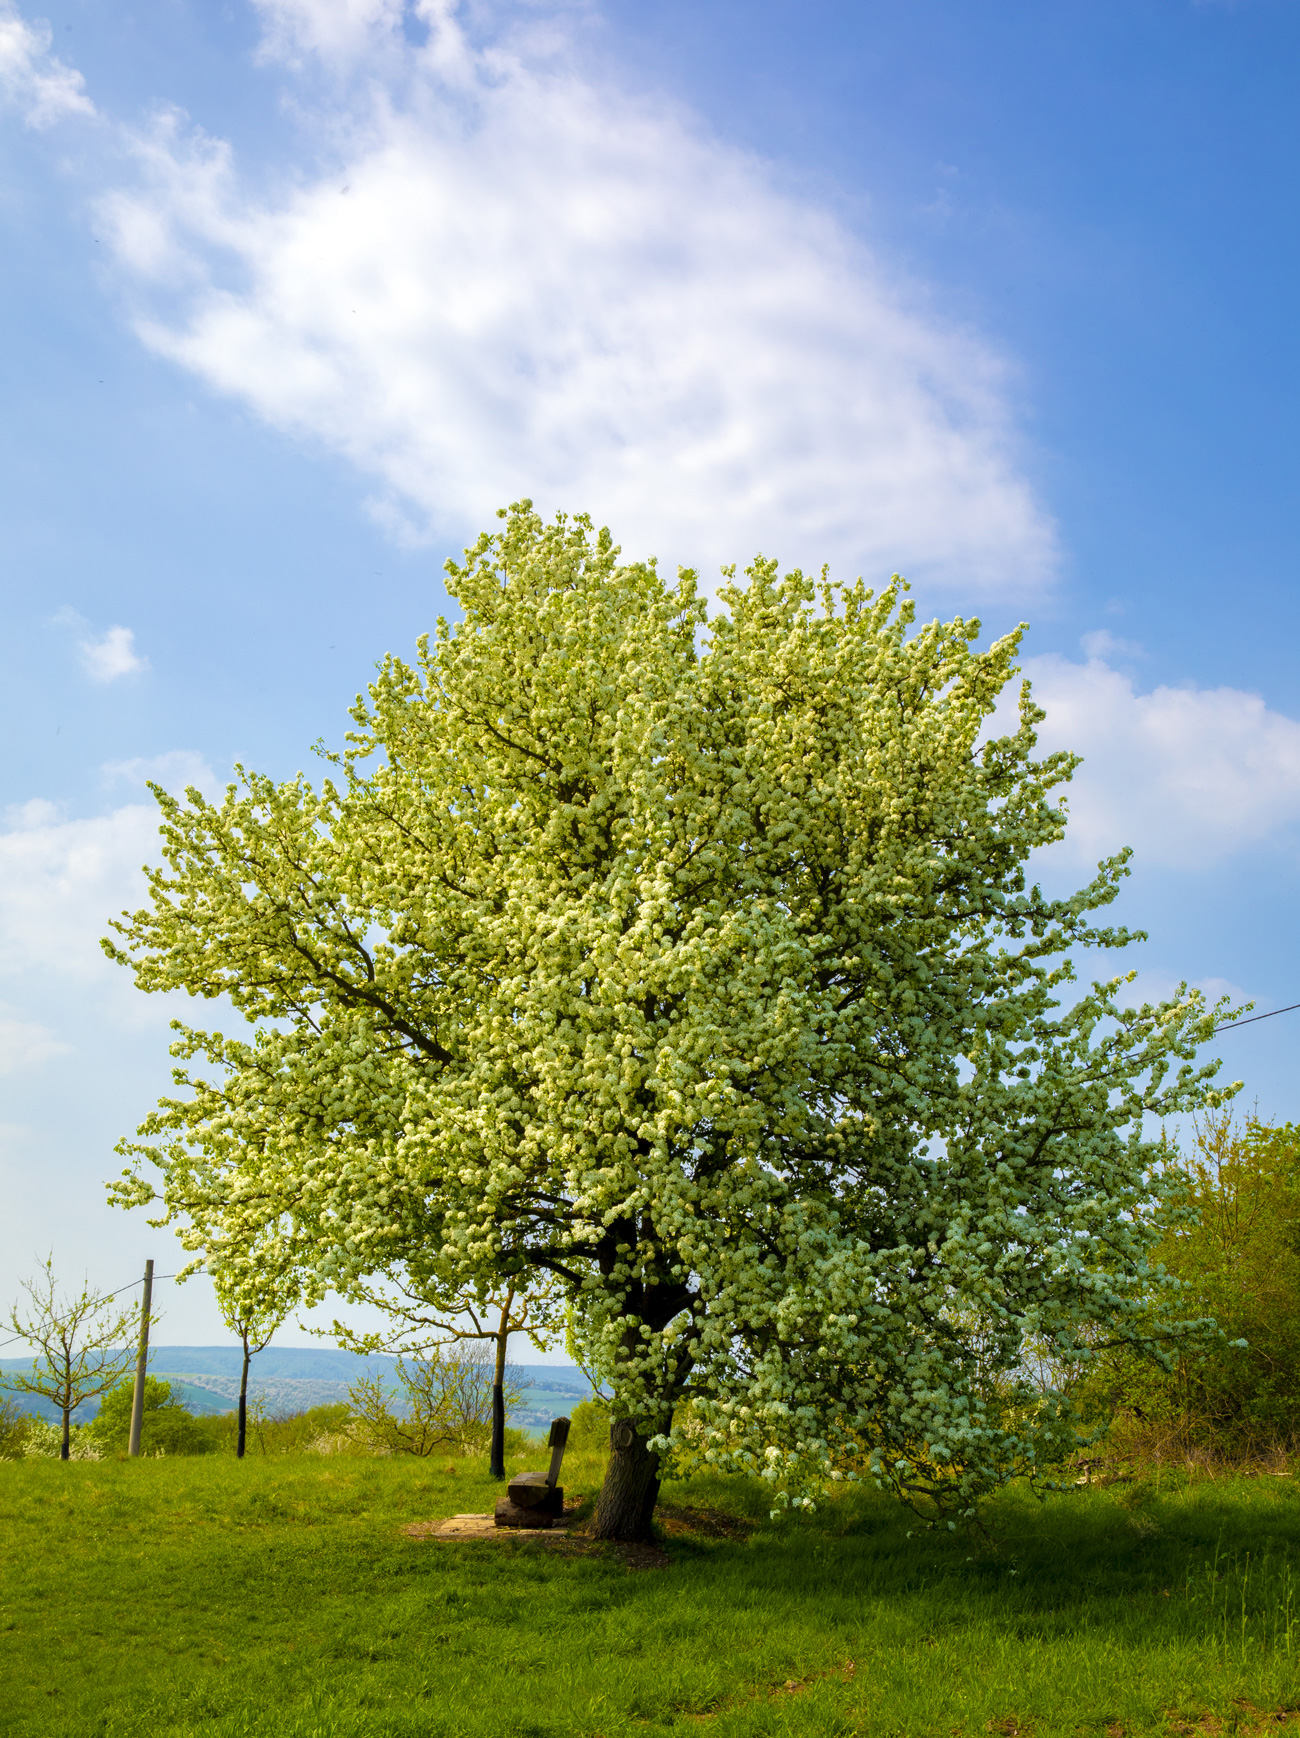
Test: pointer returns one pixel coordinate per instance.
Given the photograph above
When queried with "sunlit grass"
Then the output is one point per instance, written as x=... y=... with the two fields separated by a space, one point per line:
x=280 y=1596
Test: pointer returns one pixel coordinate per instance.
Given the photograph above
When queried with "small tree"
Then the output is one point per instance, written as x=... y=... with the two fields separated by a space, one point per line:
x=446 y=1401
x=78 y=1338
x=1230 y=1234
x=430 y=1314
x=254 y=1294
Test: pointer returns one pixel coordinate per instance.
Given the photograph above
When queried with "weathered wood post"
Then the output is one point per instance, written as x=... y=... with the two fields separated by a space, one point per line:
x=141 y=1363
x=536 y=1499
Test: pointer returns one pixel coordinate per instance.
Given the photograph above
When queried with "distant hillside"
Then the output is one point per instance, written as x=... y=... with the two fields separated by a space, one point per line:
x=295 y=1378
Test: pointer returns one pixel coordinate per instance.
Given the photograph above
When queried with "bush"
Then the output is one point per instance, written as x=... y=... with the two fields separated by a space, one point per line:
x=14 y=1425
x=43 y=1440
x=166 y=1428
x=1238 y=1253
x=319 y=1430
x=445 y=1401
x=589 y=1424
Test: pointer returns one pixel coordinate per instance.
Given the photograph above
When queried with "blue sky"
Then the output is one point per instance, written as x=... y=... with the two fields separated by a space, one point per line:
x=292 y=293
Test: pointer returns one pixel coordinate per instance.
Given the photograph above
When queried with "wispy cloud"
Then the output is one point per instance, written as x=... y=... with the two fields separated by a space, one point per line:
x=33 y=80
x=111 y=656
x=174 y=771
x=1101 y=643
x=25 y=1045
x=513 y=277
x=61 y=880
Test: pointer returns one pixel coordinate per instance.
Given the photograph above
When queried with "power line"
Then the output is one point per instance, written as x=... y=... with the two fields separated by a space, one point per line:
x=1251 y=1021
x=14 y=1338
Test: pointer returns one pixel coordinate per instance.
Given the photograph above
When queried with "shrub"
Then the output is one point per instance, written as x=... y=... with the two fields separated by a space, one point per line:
x=166 y=1428
x=44 y=1441
x=14 y=1425
x=445 y=1401
x=589 y=1424
x=1234 y=1241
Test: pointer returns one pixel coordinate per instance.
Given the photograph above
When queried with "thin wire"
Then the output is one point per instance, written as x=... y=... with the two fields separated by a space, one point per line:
x=14 y=1338
x=1270 y=1016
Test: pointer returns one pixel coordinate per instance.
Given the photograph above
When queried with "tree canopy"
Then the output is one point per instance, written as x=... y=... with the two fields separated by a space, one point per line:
x=687 y=960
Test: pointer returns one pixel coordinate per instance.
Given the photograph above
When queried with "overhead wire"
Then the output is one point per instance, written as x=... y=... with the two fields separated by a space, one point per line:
x=14 y=1338
x=1271 y=1015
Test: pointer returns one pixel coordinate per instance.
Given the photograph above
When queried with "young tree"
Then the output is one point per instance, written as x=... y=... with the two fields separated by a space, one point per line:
x=428 y=1314
x=255 y=1292
x=446 y=1401
x=690 y=962
x=78 y=1340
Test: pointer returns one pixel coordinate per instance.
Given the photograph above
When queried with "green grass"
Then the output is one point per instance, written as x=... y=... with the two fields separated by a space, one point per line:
x=280 y=1597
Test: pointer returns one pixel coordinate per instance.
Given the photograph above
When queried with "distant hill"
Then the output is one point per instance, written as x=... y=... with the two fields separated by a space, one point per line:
x=296 y=1378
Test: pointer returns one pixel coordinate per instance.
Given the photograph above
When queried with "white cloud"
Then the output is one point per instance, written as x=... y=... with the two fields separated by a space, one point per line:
x=60 y=882
x=1187 y=776
x=512 y=278
x=32 y=79
x=104 y=659
x=111 y=656
x=1103 y=644
x=334 y=30
x=24 y=1045
x=174 y=771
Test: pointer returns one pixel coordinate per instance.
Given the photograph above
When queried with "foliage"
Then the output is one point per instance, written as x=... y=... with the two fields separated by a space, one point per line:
x=78 y=1341
x=445 y=1402
x=44 y=1440
x=589 y=1423
x=434 y=1312
x=282 y=1596
x=167 y=1426
x=690 y=963
x=1231 y=1235
x=14 y=1425
x=289 y=1433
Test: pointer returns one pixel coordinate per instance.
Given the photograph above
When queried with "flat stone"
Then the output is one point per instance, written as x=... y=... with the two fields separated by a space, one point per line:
x=476 y=1527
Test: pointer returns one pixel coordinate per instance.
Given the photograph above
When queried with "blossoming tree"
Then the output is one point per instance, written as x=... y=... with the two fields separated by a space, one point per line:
x=688 y=963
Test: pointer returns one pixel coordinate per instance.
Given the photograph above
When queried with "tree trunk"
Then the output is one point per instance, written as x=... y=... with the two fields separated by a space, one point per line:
x=65 y=1453
x=497 y=1464
x=626 y=1505
x=497 y=1467
x=243 y=1404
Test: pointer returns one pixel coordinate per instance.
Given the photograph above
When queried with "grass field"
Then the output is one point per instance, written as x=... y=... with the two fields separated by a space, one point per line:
x=280 y=1596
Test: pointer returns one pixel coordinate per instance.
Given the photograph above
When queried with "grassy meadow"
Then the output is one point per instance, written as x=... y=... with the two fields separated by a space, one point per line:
x=280 y=1596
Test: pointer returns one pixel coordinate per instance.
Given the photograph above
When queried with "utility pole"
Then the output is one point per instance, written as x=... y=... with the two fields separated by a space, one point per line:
x=141 y=1362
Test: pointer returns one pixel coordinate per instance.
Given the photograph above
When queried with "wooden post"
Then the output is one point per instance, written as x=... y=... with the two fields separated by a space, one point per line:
x=555 y=1442
x=141 y=1362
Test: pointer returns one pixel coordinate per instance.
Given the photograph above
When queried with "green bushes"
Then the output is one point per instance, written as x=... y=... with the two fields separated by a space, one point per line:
x=1237 y=1251
x=589 y=1425
x=167 y=1427
x=13 y=1429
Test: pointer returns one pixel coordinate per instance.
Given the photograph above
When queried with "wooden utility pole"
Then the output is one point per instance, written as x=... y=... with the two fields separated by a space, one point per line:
x=141 y=1361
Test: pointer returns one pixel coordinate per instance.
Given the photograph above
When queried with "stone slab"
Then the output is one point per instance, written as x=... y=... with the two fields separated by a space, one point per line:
x=479 y=1527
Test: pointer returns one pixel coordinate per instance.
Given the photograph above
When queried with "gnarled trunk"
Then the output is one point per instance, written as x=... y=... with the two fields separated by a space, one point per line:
x=626 y=1505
